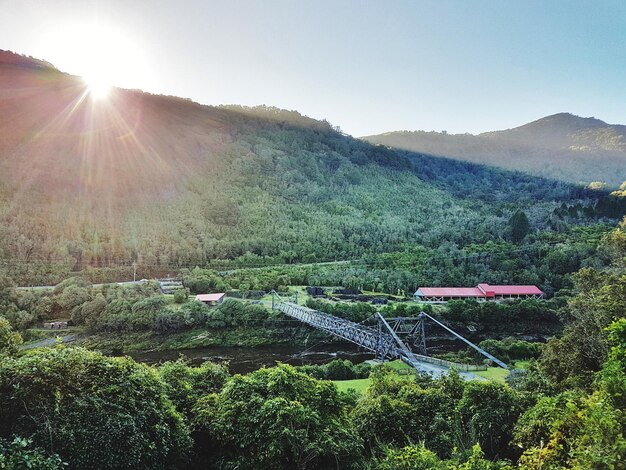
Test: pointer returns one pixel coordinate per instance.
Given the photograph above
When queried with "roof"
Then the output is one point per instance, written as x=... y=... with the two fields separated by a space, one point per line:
x=209 y=297
x=450 y=292
x=483 y=290
x=513 y=290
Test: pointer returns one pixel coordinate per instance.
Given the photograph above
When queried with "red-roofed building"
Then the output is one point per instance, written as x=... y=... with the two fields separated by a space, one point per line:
x=210 y=299
x=483 y=292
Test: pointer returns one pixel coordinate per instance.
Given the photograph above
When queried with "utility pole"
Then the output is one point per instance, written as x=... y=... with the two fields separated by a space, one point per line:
x=134 y=271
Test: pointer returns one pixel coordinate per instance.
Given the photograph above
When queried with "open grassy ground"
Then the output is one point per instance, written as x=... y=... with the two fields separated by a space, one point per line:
x=494 y=374
x=397 y=365
x=360 y=385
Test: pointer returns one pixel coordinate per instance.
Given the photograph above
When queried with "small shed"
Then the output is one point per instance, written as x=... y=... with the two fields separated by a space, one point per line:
x=210 y=299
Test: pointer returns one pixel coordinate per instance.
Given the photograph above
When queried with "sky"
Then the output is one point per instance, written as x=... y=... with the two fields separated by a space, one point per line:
x=366 y=66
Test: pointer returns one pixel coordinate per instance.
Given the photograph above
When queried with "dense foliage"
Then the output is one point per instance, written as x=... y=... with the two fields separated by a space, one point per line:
x=95 y=412
x=254 y=187
x=566 y=411
x=19 y=454
x=277 y=418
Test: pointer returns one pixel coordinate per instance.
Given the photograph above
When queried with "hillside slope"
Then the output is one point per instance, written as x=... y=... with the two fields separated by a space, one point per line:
x=165 y=182
x=561 y=146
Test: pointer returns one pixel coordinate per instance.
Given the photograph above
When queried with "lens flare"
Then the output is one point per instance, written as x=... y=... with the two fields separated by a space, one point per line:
x=99 y=88
x=104 y=55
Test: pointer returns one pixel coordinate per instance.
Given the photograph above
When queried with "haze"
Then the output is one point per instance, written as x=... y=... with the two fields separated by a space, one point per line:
x=368 y=67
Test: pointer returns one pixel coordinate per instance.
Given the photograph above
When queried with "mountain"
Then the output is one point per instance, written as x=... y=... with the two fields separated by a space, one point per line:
x=561 y=146
x=165 y=182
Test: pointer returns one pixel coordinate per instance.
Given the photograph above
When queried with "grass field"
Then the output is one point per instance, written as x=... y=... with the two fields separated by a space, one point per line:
x=522 y=364
x=397 y=365
x=494 y=374
x=360 y=385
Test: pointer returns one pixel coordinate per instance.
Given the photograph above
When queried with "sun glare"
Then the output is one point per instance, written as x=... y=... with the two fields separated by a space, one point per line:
x=103 y=55
x=98 y=88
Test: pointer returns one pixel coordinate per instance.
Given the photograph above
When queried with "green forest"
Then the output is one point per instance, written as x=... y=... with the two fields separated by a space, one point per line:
x=67 y=405
x=264 y=205
x=266 y=186
x=562 y=146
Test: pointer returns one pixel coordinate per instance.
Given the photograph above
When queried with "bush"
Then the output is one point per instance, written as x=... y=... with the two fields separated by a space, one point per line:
x=19 y=453
x=181 y=295
x=190 y=315
x=233 y=313
x=354 y=312
x=511 y=349
x=9 y=339
x=337 y=369
x=97 y=412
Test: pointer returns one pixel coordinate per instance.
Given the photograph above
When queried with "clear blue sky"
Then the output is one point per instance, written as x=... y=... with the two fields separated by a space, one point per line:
x=367 y=66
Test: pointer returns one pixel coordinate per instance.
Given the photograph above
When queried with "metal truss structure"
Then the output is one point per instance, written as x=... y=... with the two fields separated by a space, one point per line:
x=384 y=340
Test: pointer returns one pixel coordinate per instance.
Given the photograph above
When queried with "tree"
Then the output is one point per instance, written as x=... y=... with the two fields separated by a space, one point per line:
x=415 y=457
x=612 y=378
x=186 y=385
x=573 y=359
x=9 y=339
x=519 y=226
x=181 y=295
x=96 y=412
x=277 y=418
x=489 y=411
x=571 y=431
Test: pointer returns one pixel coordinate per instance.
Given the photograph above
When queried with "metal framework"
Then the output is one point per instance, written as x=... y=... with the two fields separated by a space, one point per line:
x=384 y=340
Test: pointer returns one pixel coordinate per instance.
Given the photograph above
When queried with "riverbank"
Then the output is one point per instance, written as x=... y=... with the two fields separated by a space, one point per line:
x=249 y=337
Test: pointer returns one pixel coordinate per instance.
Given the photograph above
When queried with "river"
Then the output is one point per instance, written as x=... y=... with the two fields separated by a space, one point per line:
x=244 y=360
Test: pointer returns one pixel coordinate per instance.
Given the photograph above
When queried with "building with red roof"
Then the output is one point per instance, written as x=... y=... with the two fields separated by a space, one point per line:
x=482 y=292
x=210 y=299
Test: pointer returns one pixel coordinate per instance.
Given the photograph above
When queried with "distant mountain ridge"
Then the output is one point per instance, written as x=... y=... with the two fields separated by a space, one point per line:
x=561 y=146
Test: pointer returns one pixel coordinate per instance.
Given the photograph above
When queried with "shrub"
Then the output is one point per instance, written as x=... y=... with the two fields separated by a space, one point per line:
x=181 y=295
x=19 y=453
x=97 y=412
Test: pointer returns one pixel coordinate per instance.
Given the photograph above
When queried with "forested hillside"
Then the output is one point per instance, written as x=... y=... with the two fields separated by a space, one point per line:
x=561 y=146
x=166 y=183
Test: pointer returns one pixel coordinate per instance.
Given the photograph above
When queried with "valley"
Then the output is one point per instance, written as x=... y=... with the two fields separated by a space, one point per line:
x=104 y=364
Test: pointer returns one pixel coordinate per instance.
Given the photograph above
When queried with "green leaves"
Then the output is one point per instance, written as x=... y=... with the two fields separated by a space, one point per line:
x=277 y=418
x=9 y=339
x=20 y=454
x=95 y=412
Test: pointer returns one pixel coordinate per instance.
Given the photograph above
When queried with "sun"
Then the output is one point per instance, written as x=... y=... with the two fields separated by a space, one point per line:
x=99 y=88
x=103 y=54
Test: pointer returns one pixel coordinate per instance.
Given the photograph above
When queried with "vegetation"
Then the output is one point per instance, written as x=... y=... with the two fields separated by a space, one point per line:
x=253 y=200
x=566 y=410
x=19 y=454
x=337 y=369
x=561 y=146
x=250 y=187
x=95 y=412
